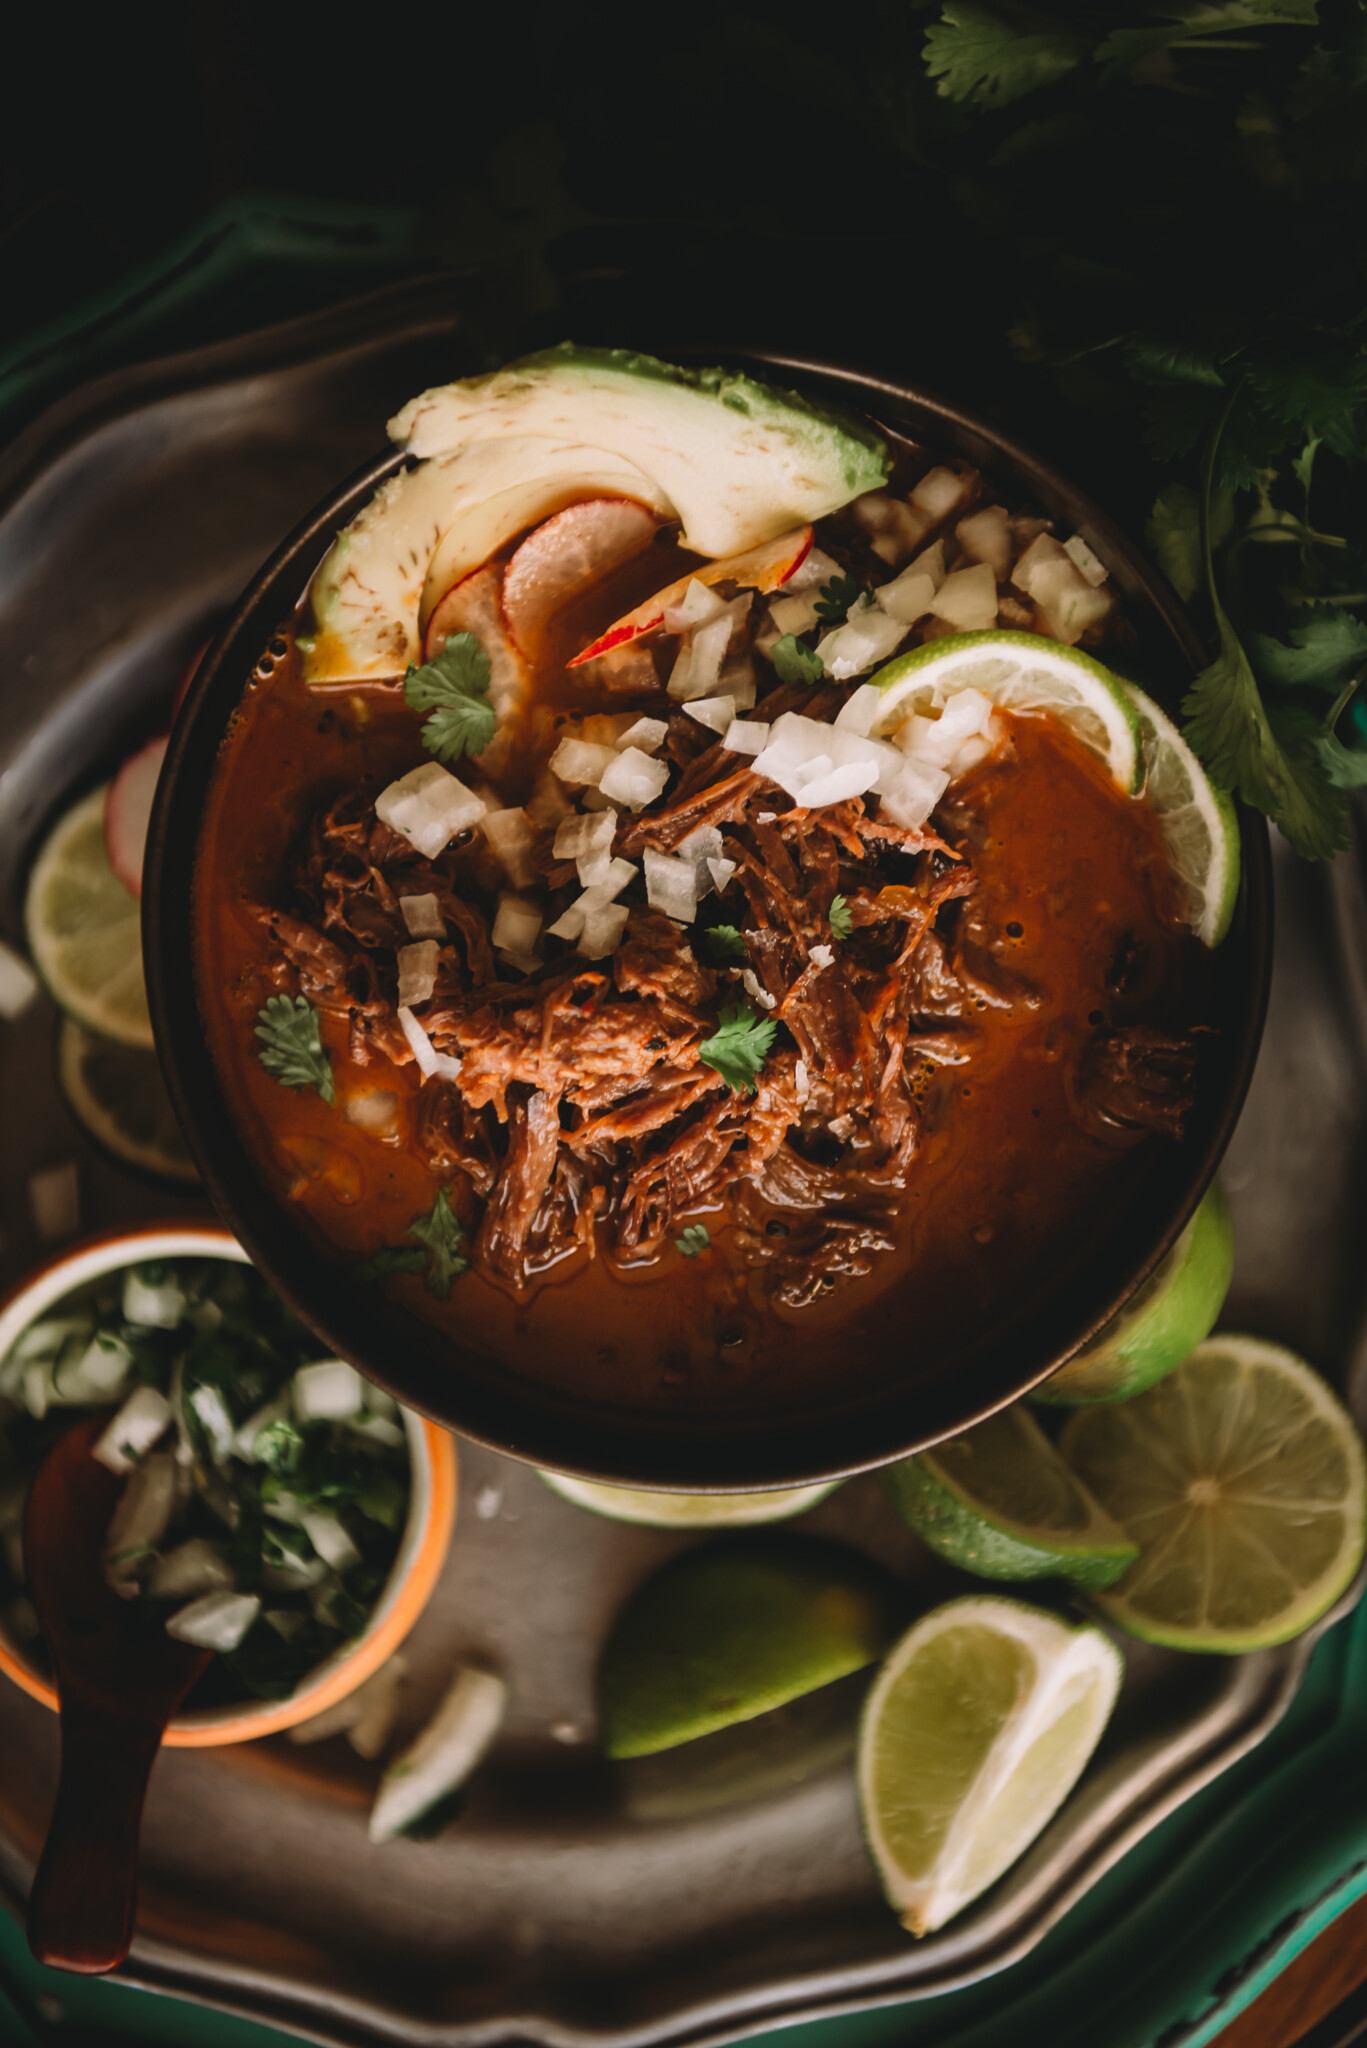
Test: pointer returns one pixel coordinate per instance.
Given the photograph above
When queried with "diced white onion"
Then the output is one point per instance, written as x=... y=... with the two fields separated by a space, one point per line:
x=716 y=712
x=137 y=1426
x=444 y=1754
x=755 y=989
x=721 y=872
x=244 y=1441
x=1084 y=561
x=517 y=925
x=141 y=1518
x=510 y=834
x=330 y=1539
x=633 y=778
x=328 y=1391
x=812 y=571
x=428 y=807
x=156 y=1304
x=648 y=734
x=586 y=839
x=576 y=761
x=895 y=528
x=210 y=1405
x=970 y=753
x=795 y=614
x=859 y=714
x=423 y=917
x=372 y=1109
x=604 y=924
x=698 y=667
x=1067 y=601
x=18 y=984
x=936 y=741
x=802 y=753
x=100 y=1371
x=671 y=886
x=869 y=635
x=940 y=490
x=968 y=598
x=821 y=956
x=986 y=536
x=570 y=923
x=699 y=603
x=191 y=1569
x=838 y=784
x=418 y=965
x=746 y=737
x=702 y=846
x=429 y=1060
x=914 y=795
x=217 y=1622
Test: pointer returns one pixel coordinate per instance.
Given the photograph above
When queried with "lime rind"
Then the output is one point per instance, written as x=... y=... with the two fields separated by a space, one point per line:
x=971 y=1501
x=687 y=1510
x=980 y=1723
x=1020 y=672
x=1198 y=822
x=1247 y=1428
x=1177 y=1306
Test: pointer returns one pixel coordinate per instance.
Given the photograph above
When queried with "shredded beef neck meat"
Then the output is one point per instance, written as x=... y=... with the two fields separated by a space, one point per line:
x=1135 y=1079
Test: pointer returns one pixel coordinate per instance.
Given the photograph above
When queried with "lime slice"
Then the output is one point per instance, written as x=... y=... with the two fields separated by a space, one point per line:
x=1020 y=672
x=117 y=1092
x=1242 y=1479
x=1200 y=830
x=999 y=1501
x=979 y=1726
x=84 y=930
x=1174 y=1309
x=730 y=1630
x=688 y=1510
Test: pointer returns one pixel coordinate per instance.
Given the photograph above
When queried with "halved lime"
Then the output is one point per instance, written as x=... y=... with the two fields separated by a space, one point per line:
x=1020 y=672
x=688 y=1510
x=1242 y=1479
x=1174 y=1309
x=84 y=929
x=979 y=1726
x=725 y=1632
x=999 y=1501
x=1197 y=820
x=117 y=1092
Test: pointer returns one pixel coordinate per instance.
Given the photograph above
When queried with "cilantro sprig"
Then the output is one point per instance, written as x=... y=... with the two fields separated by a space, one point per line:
x=693 y=1239
x=837 y=596
x=841 y=922
x=291 y=1045
x=725 y=945
x=739 y=1047
x=454 y=687
x=795 y=662
x=440 y=1255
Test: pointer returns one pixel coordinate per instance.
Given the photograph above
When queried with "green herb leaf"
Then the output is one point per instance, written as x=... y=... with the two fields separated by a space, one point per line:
x=1190 y=21
x=738 y=1048
x=454 y=687
x=1346 y=767
x=725 y=946
x=836 y=598
x=842 y=924
x=1322 y=655
x=443 y=1233
x=977 y=56
x=391 y=1258
x=278 y=1447
x=795 y=662
x=1173 y=531
x=693 y=1239
x=292 y=1050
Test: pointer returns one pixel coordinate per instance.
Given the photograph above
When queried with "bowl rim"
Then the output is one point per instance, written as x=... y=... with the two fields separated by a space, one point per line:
x=631 y=1445
x=417 y=1563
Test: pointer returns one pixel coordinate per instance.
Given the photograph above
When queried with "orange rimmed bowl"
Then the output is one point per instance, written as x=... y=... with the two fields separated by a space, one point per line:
x=421 y=1553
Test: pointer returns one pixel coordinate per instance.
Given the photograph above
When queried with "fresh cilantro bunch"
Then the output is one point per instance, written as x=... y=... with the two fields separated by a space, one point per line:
x=454 y=687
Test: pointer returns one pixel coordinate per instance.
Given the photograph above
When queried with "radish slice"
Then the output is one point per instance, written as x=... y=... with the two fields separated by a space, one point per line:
x=565 y=554
x=472 y=606
x=764 y=568
x=127 y=810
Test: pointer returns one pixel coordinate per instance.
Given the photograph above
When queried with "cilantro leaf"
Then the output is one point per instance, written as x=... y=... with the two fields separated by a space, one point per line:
x=1190 y=21
x=1346 y=767
x=795 y=662
x=693 y=1240
x=842 y=924
x=1173 y=531
x=391 y=1258
x=454 y=687
x=725 y=945
x=977 y=56
x=1322 y=654
x=836 y=598
x=739 y=1046
x=443 y=1233
x=291 y=1047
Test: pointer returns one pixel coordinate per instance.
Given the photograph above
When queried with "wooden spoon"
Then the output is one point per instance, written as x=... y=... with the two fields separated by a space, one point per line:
x=120 y=1678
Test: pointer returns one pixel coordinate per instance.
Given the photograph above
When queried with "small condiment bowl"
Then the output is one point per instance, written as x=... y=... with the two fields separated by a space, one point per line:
x=416 y=1568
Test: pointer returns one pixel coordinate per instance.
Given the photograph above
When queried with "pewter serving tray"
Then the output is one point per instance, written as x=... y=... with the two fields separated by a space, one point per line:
x=689 y=1897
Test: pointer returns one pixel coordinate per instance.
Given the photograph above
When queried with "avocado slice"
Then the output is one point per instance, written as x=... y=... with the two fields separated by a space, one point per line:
x=740 y=461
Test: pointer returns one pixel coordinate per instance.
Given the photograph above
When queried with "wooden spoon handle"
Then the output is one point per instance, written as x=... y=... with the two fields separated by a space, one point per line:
x=81 y=1908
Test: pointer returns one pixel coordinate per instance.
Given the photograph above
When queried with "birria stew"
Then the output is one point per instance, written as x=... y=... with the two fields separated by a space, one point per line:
x=684 y=904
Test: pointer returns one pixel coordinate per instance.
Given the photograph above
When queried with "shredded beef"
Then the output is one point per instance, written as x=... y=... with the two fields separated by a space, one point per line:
x=1136 y=1079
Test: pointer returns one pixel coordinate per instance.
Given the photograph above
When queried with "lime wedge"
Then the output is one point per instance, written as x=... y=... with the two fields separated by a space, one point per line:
x=1174 y=1309
x=979 y=1726
x=1242 y=1479
x=687 y=1510
x=1020 y=672
x=84 y=929
x=117 y=1092
x=999 y=1501
x=742 y=1625
x=1200 y=830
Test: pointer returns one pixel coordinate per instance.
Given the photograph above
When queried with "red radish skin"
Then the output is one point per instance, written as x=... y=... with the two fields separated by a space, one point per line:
x=565 y=554
x=764 y=568
x=127 y=810
x=472 y=606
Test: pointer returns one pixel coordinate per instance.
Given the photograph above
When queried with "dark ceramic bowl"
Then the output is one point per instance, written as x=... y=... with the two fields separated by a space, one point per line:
x=842 y=1431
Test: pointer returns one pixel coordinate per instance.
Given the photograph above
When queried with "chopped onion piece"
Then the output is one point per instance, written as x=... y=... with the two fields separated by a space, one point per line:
x=915 y=793
x=423 y=917
x=795 y=614
x=244 y=1441
x=156 y=1304
x=586 y=839
x=329 y=1537
x=570 y=923
x=986 y=536
x=699 y=603
x=328 y=1391
x=140 y=1520
x=744 y=737
x=968 y=599
x=217 y=1622
x=909 y=598
x=838 y=784
x=821 y=956
x=892 y=525
x=444 y=1754
x=716 y=712
x=802 y=1086
x=510 y=834
x=209 y=1405
x=604 y=924
x=517 y=924
x=859 y=714
x=418 y=971
x=576 y=761
x=633 y=778
x=936 y=741
x=647 y=734
x=811 y=572
x=698 y=667
x=372 y=1109
x=970 y=753
x=1084 y=561
x=191 y=1569
x=702 y=846
x=18 y=984
x=671 y=886
x=721 y=872
x=941 y=490
x=428 y=807
x=1067 y=601
x=868 y=636
x=594 y=800
x=738 y=680
x=802 y=752
x=429 y=1060
x=755 y=988
x=137 y=1426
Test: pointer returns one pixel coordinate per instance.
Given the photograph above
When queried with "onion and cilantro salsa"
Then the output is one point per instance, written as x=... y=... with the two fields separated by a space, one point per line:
x=685 y=882
x=265 y=1488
